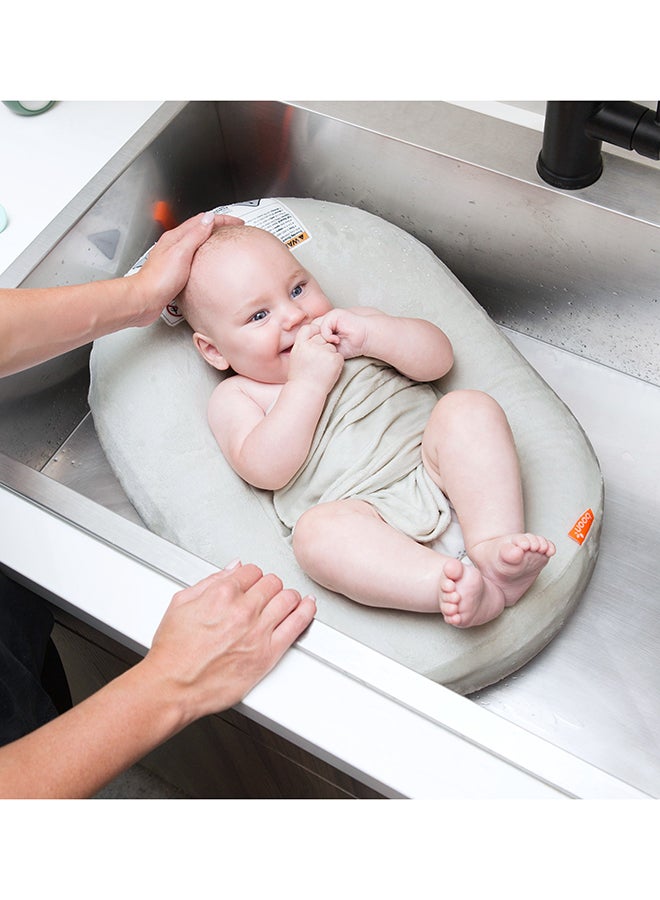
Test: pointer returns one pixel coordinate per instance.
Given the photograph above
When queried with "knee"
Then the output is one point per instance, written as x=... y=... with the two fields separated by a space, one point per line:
x=468 y=405
x=308 y=536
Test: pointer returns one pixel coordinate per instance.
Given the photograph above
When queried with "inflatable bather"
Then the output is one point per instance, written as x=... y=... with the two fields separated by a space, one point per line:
x=149 y=393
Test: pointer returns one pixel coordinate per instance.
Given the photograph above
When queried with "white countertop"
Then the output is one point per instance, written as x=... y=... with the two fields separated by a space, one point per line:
x=46 y=159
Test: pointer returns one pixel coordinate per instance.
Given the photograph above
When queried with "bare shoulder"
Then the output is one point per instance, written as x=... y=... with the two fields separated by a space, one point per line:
x=237 y=391
x=233 y=411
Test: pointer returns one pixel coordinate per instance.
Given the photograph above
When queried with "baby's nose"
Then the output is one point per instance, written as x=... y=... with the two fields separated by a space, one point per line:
x=293 y=315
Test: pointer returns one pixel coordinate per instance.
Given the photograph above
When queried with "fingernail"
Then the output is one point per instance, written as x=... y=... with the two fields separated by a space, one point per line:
x=234 y=564
x=207 y=218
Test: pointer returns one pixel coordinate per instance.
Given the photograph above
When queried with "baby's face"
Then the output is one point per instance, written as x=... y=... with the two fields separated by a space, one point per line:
x=256 y=296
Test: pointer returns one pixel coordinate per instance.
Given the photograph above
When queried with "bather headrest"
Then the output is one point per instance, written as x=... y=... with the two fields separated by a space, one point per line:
x=149 y=394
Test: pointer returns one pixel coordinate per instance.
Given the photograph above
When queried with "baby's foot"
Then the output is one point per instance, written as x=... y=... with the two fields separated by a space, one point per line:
x=512 y=562
x=504 y=568
x=466 y=598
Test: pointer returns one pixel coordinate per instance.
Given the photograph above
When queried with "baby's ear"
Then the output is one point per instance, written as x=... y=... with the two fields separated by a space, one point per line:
x=210 y=352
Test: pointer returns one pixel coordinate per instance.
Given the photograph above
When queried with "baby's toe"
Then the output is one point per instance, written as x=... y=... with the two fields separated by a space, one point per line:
x=453 y=569
x=530 y=542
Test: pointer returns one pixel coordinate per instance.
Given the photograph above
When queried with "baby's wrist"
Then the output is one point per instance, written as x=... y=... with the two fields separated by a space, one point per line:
x=307 y=386
x=374 y=334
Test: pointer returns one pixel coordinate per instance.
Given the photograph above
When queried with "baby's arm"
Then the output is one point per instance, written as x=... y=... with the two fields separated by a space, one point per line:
x=417 y=348
x=267 y=450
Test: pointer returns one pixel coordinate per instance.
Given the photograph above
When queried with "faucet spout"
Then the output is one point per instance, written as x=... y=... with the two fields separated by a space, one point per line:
x=574 y=133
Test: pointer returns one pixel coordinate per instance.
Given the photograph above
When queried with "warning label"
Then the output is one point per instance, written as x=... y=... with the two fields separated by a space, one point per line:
x=171 y=314
x=271 y=215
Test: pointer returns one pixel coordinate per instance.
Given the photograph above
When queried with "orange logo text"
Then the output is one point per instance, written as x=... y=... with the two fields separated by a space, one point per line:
x=581 y=528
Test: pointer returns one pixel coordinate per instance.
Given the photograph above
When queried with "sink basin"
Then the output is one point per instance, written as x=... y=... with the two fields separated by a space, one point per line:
x=571 y=277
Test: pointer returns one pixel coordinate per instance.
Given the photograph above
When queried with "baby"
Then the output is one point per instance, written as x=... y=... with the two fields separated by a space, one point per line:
x=326 y=408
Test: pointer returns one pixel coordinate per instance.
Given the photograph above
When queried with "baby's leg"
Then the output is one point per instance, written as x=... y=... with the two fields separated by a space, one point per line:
x=469 y=452
x=347 y=547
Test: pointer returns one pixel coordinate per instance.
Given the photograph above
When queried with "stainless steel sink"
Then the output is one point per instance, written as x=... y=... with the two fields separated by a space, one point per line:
x=572 y=277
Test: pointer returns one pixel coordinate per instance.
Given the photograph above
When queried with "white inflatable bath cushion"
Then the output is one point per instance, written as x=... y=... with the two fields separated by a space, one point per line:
x=149 y=395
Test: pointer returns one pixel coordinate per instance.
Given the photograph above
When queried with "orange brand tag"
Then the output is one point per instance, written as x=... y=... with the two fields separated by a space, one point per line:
x=581 y=528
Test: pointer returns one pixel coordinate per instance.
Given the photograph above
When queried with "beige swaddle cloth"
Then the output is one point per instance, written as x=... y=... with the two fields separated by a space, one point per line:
x=367 y=446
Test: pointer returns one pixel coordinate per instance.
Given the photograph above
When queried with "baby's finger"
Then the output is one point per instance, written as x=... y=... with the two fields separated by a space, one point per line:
x=319 y=341
x=328 y=331
x=306 y=332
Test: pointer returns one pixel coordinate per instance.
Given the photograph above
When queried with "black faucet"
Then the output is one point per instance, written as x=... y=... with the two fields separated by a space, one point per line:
x=574 y=133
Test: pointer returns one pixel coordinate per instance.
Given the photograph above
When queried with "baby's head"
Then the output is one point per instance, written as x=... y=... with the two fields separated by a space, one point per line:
x=245 y=300
x=200 y=298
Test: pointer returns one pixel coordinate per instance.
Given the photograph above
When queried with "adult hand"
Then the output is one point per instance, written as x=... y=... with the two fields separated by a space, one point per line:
x=216 y=640
x=167 y=268
x=220 y=637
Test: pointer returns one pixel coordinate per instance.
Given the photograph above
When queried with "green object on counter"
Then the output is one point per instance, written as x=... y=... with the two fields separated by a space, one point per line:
x=28 y=107
x=3 y=218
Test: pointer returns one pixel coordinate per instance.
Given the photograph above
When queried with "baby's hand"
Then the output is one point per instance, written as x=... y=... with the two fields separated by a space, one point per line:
x=314 y=359
x=346 y=330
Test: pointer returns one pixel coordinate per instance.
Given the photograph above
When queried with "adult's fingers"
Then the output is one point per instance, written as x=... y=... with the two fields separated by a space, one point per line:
x=224 y=219
x=244 y=576
x=249 y=577
x=196 y=226
x=292 y=626
x=261 y=593
x=279 y=607
x=195 y=230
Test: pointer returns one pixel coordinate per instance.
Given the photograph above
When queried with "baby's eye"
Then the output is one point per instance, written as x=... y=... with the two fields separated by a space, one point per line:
x=297 y=291
x=258 y=316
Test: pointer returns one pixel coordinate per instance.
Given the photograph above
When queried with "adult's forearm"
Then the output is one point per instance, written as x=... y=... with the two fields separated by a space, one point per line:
x=37 y=324
x=80 y=751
